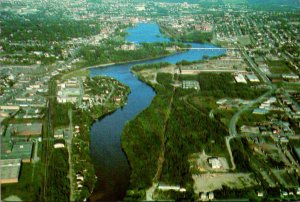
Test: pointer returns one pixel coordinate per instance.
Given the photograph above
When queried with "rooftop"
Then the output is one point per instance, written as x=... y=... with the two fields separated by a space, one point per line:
x=20 y=150
x=10 y=169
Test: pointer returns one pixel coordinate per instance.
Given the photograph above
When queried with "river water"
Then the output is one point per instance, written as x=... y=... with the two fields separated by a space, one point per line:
x=110 y=162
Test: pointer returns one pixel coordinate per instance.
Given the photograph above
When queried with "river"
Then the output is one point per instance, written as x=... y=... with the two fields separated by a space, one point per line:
x=110 y=162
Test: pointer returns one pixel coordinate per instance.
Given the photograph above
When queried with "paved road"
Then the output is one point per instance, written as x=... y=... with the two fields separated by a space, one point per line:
x=256 y=69
x=161 y=158
x=236 y=116
x=233 y=121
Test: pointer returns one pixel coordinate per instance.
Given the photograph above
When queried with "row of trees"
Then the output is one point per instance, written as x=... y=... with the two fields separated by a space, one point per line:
x=58 y=183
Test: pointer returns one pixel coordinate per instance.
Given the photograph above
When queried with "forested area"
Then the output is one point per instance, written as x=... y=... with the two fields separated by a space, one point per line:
x=189 y=131
x=186 y=131
x=28 y=188
x=142 y=140
x=188 y=36
x=39 y=27
x=107 y=53
x=223 y=85
x=60 y=114
x=81 y=160
x=58 y=183
x=197 y=36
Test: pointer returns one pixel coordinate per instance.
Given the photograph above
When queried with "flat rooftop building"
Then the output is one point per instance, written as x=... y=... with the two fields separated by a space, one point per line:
x=20 y=150
x=240 y=78
x=26 y=129
x=10 y=170
x=252 y=78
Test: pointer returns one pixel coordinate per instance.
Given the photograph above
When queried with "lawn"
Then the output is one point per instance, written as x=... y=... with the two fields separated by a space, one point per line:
x=244 y=40
x=28 y=188
x=278 y=67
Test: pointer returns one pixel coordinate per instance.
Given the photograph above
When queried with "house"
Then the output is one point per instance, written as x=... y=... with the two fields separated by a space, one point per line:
x=59 y=145
x=260 y=194
x=203 y=196
x=211 y=196
x=222 y=101
x=290 y=77
x=260 y=111
x=249 y=129
x=59 y=133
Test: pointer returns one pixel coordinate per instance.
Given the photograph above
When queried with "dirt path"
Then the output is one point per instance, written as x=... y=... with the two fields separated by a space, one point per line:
x=69 y=147
x=161 y=158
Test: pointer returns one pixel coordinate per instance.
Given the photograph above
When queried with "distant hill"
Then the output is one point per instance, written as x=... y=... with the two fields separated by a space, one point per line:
x=192 y=1
x=294 y=3
x=275 y=2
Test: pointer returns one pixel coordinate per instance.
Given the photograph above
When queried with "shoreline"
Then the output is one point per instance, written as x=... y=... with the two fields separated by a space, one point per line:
x=128 y=62
x=111 y=112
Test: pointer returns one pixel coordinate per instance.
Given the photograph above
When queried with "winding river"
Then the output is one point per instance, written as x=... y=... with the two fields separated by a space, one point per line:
x=110 y=162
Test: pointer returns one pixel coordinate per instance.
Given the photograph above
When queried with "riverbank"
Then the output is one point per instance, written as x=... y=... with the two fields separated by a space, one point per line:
x=133 y=61
x=83 y=120
x=81 y=160
x=110 y=162
x=76 y=120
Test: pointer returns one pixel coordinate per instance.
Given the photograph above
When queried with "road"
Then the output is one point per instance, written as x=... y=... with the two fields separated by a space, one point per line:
x=256 y=69
x=69 y=147
x=236 y=116
x=233 y=121
x=161 y=158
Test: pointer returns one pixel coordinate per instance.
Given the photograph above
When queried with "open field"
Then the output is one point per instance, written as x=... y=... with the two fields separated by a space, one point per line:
x=214 y=181
x=27 y=187
x=278 y=67
x=244 y=40
x=286 y=178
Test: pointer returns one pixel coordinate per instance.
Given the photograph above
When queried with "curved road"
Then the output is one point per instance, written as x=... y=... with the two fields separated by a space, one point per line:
x=232 y=125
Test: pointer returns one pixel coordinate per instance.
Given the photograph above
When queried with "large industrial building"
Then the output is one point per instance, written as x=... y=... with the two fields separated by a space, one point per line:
x=10 y=170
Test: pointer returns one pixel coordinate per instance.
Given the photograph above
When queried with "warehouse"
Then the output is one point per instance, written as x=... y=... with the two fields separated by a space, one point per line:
x=252 y=78
x=19 y=150
x=10 y=170
x=26 y=129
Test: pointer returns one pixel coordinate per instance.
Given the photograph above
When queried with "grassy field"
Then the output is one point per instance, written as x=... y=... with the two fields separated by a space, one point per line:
x=77 y=73
x=244 y=40
x=28 y=188
x=278 y=67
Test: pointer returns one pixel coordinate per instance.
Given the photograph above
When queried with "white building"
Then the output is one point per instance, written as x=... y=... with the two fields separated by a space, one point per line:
x=252 y=78
x=240 y=78
x=215 y=163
